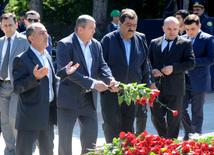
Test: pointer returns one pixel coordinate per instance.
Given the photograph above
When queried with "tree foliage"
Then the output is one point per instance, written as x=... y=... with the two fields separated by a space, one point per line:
x=59 y=16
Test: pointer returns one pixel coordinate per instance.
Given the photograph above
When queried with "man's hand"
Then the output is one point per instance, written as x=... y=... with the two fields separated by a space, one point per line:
x=39 y=74
x=112 y=88
x=69 y=69
x=100 y=86
x=167 y=70
x=156 y=73
x=153 y=86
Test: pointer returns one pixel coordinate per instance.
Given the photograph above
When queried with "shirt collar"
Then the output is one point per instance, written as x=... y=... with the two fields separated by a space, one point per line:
x=115 y=25
x=123 y=38
x=81 y=42
x=38 y=54
x=13 y=36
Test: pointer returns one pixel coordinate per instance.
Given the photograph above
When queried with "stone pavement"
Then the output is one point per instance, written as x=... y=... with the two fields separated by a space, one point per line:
x=208 y=127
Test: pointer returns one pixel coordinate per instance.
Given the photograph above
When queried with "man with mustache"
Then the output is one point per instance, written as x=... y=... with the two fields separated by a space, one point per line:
x=125 y=52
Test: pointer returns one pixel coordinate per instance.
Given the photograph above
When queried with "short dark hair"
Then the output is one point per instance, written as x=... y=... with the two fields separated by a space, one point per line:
x=7 y=16
x=30 y=31
x=32 y=12
x=192 y=19
x=183 y=13
x=131 y=14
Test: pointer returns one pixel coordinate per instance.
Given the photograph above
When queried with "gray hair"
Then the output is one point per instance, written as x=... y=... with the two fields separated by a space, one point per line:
x=82 y=21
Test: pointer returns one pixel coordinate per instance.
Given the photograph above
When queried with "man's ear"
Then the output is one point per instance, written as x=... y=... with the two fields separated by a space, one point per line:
x=39 y=21
x=199 y=26
x=30 y=38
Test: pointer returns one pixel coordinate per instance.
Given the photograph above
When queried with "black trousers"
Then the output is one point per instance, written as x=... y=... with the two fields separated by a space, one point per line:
x=26 y=139
x=163 y=120
x=116 y=117
x=141 y=119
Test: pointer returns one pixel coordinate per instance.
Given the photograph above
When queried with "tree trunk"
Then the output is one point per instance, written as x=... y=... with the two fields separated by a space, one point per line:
x=99 y=14
x=186 y=4
x=37 y=6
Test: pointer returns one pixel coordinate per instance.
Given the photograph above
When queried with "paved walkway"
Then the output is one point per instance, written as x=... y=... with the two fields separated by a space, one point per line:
x=208 y=127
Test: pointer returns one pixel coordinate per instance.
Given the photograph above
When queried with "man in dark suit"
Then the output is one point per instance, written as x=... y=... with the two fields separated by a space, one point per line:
x=114 y=22
x=125 y=52
x=198 y=80
x=73 y=103
x=170 y=56
x=35 y=84
x=33 y=16
x=11 y=45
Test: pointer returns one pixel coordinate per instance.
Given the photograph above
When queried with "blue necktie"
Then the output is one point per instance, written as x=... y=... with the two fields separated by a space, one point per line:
x=4 y=68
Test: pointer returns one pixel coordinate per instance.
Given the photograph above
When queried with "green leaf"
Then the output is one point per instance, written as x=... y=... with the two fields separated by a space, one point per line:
x=120 y=100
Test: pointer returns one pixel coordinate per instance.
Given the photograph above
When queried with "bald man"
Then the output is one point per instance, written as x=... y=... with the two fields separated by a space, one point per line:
x=170 y=56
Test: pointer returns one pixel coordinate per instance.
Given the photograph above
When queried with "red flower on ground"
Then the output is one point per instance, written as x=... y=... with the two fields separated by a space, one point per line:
x=175 y=112
x=186 y=149
x=122 y=135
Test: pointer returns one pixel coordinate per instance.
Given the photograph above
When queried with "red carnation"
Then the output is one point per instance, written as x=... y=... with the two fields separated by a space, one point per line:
x=152 y=95
x=186 y=149
x=175 y=112
x=156 y=92
x=137 y=100
x=122 y=135
x=143 y=101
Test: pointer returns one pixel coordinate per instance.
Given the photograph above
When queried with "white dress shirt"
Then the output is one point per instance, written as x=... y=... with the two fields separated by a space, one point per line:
x=45 y=63
x=88 y=57
x=164 y=44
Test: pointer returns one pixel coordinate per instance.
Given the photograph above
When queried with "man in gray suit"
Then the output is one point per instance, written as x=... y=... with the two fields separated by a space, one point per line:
x=73 y=104
x=11 y=45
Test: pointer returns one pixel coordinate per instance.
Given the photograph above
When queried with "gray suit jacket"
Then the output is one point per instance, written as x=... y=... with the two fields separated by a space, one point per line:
x=20 y=45
x=70 y=90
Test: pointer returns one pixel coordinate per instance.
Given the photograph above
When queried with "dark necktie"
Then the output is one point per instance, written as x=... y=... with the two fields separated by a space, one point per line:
x=166 y=49
x=4 y=68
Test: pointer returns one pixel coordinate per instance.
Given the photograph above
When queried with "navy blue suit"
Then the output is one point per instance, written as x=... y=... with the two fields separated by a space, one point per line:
x=121 y=118
x=72 y=103
x=198 y=82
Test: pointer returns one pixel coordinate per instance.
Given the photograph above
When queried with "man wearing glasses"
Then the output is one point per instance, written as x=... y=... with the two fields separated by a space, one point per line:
x=33 y=16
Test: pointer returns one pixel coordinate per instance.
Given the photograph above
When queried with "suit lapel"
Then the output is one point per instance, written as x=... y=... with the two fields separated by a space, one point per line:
x=122 y=47
x=196 y=42
x=159 y=45
x=1 y=46
x=15 y=45
x=132 y=52
x=92 y=50
x=34 y=58
x=173 y=48
x=79 y=51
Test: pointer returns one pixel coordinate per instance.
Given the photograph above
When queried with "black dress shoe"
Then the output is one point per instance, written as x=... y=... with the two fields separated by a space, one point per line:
x=186 y=137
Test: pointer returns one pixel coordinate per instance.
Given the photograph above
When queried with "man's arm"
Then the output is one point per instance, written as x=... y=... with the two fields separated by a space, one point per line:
x=22 y=80
x=208 y=58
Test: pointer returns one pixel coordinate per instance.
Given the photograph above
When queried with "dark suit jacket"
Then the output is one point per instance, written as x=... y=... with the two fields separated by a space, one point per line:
x=203 y=48
x=110 y=28
x=115 y=55
x=70 y=90
x=182 y=58
x=34 y=111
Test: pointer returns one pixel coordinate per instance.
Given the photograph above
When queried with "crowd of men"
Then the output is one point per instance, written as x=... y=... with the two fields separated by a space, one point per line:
x=177 y=64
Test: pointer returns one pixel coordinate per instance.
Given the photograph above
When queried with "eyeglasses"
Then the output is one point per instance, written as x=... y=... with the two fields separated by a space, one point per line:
x=30 y=20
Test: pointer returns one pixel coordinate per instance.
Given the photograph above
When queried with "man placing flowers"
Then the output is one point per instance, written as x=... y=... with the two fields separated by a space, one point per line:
x=125 y=53
x=170 y=56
